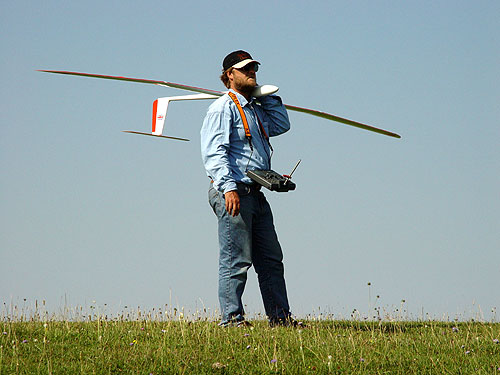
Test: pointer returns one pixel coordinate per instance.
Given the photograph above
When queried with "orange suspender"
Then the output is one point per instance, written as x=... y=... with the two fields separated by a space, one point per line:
x=245 y=122
x=242 y=114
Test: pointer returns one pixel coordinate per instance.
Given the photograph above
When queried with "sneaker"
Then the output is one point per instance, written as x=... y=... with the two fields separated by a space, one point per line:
x=235 y=323
x=244 y=323
x=288 y=322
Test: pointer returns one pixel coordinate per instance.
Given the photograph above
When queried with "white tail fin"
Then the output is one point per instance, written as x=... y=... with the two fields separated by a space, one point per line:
x=160 y=107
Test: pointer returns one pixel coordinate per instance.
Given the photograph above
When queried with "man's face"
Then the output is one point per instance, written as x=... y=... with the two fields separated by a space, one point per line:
x=244 y=79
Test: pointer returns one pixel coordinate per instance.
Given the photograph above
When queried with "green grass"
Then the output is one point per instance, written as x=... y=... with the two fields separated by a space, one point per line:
x=177 y=346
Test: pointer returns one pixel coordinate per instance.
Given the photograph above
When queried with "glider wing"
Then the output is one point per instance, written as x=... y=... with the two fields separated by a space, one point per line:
x=139 y=80
x=342 y=120
x=215 y=93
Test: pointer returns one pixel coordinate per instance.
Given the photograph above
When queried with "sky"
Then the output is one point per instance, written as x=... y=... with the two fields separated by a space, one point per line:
x=91 y=216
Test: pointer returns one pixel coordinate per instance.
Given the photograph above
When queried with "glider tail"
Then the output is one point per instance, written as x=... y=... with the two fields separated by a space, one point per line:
x=160 y=107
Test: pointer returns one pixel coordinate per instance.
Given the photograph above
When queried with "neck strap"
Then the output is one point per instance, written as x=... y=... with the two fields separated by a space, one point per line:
x=232 y=95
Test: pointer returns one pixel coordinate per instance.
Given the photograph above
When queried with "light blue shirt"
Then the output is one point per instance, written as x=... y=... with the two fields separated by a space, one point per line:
x=225 y=150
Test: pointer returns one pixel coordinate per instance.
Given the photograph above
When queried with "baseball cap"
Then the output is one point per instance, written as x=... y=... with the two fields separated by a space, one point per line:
x=237 y=59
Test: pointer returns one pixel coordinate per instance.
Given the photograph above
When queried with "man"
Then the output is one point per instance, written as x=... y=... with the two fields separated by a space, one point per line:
x=229 y=149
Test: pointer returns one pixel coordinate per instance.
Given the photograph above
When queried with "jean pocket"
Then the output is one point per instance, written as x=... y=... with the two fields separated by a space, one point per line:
x=213 y=199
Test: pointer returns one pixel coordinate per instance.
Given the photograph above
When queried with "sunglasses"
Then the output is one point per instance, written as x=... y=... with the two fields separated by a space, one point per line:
x=251 y=66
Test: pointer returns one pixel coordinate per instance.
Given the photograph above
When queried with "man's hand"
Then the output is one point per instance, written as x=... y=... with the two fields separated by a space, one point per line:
x=232 y=202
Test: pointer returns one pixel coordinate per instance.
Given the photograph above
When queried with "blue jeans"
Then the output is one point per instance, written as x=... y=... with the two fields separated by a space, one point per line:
x=249 y=238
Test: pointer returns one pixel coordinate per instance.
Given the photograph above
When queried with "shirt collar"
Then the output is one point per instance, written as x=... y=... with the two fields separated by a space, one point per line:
x=243 y=101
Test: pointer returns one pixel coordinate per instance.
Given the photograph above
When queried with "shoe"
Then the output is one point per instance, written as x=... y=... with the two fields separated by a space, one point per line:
x=286 y=322
x=235 y=323
x=244 y=323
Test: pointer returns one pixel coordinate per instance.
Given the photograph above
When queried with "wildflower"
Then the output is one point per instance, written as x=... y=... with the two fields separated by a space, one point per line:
x=25 y=341
x=361 y=359
x=142 y=328
x=494 y=340
x=133 y=343
x=4 y=333
x=164 y=330
x=274 y=360
x=248 y=346
x=246 y=334
x=454 y=329
x=467 y=352
x=218 y=365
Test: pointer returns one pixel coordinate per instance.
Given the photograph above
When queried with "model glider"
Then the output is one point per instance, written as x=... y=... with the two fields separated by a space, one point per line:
x=160 y=105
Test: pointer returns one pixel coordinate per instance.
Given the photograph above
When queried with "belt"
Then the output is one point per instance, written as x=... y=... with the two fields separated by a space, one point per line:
x=246 y=188
x=250 y=187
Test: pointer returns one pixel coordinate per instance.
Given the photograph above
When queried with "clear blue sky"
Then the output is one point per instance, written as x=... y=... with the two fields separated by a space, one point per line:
x=88 y=213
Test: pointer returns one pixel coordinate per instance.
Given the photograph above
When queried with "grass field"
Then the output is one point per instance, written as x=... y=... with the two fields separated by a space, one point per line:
x=176 y=345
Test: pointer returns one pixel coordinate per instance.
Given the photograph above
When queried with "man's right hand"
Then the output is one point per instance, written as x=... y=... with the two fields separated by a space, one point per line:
x=232 y=202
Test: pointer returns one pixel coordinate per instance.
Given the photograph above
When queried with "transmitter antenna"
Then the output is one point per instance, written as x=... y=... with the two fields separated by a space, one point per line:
x=289 y=176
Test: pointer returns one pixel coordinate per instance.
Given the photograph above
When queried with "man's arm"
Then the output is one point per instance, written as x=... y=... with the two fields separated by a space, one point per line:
x=275 y=114
x=215 y=134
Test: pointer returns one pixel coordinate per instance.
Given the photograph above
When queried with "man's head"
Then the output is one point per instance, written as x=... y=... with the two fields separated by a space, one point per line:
x=238 y=72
